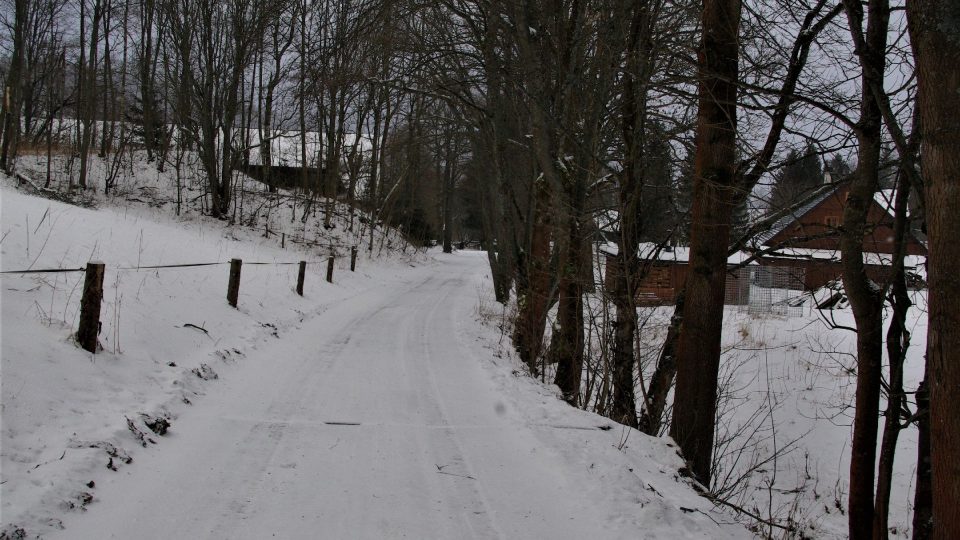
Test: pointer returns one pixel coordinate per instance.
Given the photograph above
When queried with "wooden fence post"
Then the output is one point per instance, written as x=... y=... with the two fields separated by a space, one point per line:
x=303 y=272
x=353 y=259
x=90 y=306
x=330 y=269
x=233 y=289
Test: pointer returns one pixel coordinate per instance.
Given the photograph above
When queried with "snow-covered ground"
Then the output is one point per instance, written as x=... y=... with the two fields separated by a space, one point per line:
x=377 y=406
x=786 y=413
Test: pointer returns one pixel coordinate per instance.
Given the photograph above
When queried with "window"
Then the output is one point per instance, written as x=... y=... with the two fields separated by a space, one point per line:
x=832 y=222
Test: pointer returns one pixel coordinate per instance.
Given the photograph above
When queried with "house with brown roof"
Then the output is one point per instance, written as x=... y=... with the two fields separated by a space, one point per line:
x=664 y=272
x=801 y=251
x=808 y=240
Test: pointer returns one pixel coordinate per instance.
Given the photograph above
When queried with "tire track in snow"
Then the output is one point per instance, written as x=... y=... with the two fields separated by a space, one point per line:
x=481 y=523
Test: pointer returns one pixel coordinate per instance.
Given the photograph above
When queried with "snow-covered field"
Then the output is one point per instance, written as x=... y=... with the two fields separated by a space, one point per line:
x=373 y=407
x=785 y=415
x=451 y=438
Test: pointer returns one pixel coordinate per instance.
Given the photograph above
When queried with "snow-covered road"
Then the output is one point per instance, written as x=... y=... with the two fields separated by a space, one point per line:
x=373 y=420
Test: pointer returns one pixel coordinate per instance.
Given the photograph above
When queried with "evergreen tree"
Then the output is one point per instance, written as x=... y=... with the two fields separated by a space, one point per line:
x=657 y=217
x=800 y=175
x=152 y=134
x=683 y=198
x=838 y=167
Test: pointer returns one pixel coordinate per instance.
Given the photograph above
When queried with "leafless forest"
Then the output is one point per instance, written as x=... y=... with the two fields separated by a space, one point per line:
x=513 y=124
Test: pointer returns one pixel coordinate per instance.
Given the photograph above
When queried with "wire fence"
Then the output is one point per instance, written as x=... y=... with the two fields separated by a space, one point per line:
x=90 y=301
x=155 y=267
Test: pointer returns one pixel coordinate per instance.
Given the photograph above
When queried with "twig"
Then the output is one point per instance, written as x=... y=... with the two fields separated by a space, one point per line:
x=468 y=477
x=200 y=328
x=742 y=510
x=38 y=465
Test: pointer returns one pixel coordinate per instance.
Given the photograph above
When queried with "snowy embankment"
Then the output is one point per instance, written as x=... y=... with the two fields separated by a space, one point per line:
x=787 y=386
x=166 y=333
x=377 y=406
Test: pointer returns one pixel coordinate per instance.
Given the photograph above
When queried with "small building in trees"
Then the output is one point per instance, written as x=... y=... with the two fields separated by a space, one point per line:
x=800 y=252
x=808 y=239
x=278 y=160
x=664 y=271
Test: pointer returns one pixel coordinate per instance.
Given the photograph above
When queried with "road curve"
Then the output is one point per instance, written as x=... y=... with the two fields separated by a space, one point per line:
x=375 y=419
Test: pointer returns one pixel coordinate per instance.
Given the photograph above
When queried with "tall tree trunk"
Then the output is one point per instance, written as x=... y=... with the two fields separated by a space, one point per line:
x=661 y=381
x=449 y=181
x=89 y=103
x=146 y=73
x=533 y=300
x=898 y=341
x=567 y=341
x=923 y=493
x=935 y=34
x=632 y=184
x=698 y=347
x=866 y=299
x=108 y=92
x=11 y=104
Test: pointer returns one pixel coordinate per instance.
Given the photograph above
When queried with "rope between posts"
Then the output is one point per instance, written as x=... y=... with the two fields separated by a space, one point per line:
x=155 y=267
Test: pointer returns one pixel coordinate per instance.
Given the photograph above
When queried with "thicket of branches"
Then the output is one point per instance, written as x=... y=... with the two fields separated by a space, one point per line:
x=684 y=121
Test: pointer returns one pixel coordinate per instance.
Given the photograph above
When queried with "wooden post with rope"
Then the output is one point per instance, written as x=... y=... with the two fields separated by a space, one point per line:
x=233 y=288
x=90 y=306
x=300 y=276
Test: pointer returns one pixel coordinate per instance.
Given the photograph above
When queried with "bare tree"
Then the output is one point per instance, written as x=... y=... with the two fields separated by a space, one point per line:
x=936 y=41
x=698 y=351
x=14 y=87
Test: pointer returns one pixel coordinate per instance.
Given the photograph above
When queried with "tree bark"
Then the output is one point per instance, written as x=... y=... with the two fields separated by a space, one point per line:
x=698 y=348
x=567 y=342
x=11 y=94
x=866 y=297
x=923 y=494
x=662 y=379
x=898 y=341
x=534 y=300
x=935 y=34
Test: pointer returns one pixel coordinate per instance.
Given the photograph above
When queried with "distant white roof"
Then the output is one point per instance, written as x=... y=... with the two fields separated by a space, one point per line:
x=285 y=147
x=784 y=222
x=909 y=261
x=887 y=199
x=677 y=254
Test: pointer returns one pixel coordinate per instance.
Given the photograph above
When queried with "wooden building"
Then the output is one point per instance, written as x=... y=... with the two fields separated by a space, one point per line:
x=800 y=252
x=665 y=271
x=809 y=239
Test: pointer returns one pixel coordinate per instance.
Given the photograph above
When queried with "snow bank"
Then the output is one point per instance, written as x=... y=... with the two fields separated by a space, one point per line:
x=68 y=415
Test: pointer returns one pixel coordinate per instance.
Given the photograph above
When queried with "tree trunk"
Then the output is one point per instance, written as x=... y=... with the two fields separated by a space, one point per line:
x=698 y=347
x=533 y=300
x=866 y=300
x=923 y=494
x=567 y=341
x=623 y=409
x=662 y=379
x=449 y=181
x=633 y=182
x=935 y=34
x=11 y=94
x=89 y=103
x=898 y=341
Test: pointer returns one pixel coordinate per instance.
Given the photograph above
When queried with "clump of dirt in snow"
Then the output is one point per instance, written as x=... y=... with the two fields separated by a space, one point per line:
x=12 y=532
x=145 y=423
x=112 y=451
x=205 y=372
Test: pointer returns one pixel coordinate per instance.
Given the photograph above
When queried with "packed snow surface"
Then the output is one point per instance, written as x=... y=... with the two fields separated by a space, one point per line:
x=375 y=407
